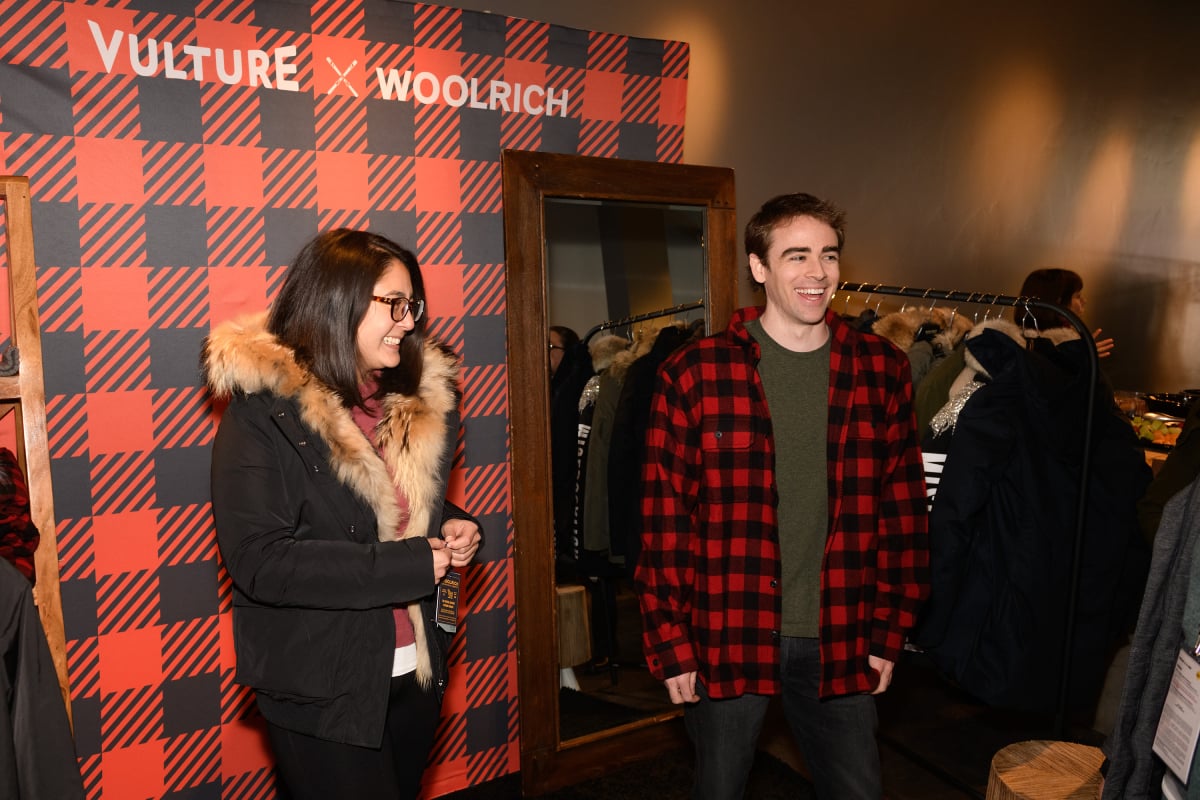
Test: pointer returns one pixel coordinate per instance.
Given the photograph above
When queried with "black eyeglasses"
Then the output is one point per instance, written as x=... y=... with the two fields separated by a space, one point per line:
x=401 y=306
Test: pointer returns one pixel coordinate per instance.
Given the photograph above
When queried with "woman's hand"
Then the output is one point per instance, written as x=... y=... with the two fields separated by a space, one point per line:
x=462 y=539
x=441 y=558
x=1103 y=346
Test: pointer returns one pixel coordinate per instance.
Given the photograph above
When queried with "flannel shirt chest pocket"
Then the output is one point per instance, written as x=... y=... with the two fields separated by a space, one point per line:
x=736 y=456
x=866 y=447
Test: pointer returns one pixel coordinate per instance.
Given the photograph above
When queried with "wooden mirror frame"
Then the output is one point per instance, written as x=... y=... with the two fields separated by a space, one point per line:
x=528 y=179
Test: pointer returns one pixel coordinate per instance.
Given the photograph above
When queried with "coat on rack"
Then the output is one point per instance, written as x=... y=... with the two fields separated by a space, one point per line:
x=604 y=351
x=566 y=386
x=626 y=450
x=1002 y=466
x=926 y=335
x=597 y=536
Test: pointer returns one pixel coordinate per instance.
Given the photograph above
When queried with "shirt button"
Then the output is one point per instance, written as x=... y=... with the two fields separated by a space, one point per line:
x=717 y=434
x=774 y=584
x=774 y=634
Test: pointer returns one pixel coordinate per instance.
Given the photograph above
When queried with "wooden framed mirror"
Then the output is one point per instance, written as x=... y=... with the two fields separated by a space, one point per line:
x=536 y=185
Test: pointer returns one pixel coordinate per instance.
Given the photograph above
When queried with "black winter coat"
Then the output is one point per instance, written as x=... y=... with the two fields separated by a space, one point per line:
x=1002 y=529
x=307 y=522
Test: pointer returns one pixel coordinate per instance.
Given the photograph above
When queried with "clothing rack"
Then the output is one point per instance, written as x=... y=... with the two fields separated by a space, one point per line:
x=1028 y=303
x=663 y=312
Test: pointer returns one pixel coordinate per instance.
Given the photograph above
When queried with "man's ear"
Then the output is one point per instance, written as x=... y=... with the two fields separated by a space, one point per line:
x=758 y=269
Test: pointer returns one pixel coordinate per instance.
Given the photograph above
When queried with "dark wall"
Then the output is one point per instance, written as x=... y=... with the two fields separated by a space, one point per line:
x=969 y=143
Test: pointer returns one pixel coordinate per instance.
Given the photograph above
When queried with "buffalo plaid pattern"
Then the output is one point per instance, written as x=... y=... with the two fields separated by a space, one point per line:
x=19 y=537
x=709 y=577
x=167 y=198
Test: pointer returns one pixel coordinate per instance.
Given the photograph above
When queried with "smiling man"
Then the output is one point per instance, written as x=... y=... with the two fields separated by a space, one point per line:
x=785 y=545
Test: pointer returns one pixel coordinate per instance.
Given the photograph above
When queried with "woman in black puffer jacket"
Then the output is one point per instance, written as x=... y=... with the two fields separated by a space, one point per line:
x=329 y=479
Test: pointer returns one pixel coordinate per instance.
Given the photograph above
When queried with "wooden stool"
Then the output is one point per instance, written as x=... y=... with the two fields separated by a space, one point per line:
x=574 y=632
x=1045 y=770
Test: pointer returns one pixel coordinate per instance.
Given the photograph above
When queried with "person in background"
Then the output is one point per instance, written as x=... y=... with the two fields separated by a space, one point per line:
x=1062 y=287
x=561 y=339
x=329 y=474
x=784 y=523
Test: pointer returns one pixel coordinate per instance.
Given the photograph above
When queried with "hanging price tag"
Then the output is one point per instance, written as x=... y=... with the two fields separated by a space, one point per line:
x=1179 y=722
x=447 y=602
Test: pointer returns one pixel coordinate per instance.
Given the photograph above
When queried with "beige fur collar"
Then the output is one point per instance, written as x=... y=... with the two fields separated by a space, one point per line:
x=604 y=349
x=241 y=356
x=900 y=327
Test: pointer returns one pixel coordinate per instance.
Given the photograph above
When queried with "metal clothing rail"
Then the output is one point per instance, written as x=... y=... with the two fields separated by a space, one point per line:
x=987 y=298
x=663 y=312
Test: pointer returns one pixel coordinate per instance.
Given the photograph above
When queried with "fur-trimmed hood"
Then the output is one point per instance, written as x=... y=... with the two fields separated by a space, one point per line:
x=976 y=360
x=603 y=349
x=900 y=327
x=241 y=356
x=1055 y=336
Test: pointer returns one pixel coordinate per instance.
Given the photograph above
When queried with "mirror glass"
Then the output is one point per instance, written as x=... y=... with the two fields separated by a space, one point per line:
x=608 y=261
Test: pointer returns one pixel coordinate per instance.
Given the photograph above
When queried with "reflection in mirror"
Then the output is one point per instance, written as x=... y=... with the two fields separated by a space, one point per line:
x=564 y=603
x=609 y=262
x=608 y=259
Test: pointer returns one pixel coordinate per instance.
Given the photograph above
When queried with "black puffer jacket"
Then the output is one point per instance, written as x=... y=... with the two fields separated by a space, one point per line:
x=1002 y=528
x=307 y=522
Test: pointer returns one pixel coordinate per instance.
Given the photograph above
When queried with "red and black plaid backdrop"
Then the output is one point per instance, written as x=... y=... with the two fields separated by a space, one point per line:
x=179 y=154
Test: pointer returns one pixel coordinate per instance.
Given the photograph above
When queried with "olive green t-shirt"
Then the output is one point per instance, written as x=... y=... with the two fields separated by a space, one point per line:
x=797 y=389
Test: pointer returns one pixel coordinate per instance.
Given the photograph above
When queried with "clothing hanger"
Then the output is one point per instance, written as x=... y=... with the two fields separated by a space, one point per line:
x=954 y=311
x=1026 y=318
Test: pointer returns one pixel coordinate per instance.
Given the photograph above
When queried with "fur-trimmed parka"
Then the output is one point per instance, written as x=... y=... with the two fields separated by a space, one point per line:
x=313 y=537
x=1003 y=465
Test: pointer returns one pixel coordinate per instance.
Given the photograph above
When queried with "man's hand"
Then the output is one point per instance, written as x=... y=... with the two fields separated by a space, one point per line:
x=884 y=668
x=682 y=688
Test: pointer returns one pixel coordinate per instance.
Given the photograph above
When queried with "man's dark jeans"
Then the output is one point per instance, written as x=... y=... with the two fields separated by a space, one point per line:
x=836 y=737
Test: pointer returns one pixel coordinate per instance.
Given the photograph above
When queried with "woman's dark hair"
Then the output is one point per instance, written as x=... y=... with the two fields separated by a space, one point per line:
x=570 y=338
x=325 y=295
x=1052 y=285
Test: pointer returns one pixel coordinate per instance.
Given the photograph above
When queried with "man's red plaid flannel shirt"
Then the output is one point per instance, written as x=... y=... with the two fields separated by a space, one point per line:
x=709 y=575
